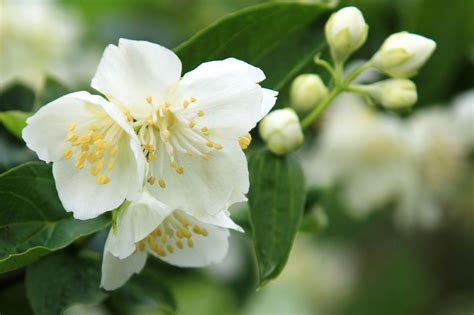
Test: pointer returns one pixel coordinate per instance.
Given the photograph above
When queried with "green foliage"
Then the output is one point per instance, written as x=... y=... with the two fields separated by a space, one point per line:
x=53 y=89
x=276 y=199
x=14 y=121
x=62 y=279
x=32 y=219
x=277 y=37
x=144 y=293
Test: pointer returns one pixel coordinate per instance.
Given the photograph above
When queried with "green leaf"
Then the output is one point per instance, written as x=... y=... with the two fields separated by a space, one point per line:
x=16 y=97
x=53 y=89
x=276 y=199
x=277 y=37
x=32 y=219
x=14 y=121
x=144 y=294
x=62 y=279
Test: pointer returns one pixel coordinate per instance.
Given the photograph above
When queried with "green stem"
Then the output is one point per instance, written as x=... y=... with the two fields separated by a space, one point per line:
x=340 y=86
x=308 y=120
x=326 y=66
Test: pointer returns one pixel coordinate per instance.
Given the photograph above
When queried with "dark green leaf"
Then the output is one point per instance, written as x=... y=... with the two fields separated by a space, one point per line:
x=144 y=293
x=14 y=121
x=17 y=97
x=13 y=299
x=32 y=219
x=277 y=37
x=62 y=279
x=53 y=89
x=276 y=199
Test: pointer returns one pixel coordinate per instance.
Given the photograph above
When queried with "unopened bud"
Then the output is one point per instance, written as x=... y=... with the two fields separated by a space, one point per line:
x=307 y=91
x=346 y=31
x=403 y=54
x=394 y=93
x=281 y=131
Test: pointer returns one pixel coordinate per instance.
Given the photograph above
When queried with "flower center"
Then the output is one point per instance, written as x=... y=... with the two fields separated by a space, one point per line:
x=94 y=145
x=175 y=231
x=167 y=128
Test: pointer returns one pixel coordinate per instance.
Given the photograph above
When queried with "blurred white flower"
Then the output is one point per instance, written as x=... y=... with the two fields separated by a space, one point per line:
x=148 y=226
x=368 y=153
x=37 y=38
x=464 y=115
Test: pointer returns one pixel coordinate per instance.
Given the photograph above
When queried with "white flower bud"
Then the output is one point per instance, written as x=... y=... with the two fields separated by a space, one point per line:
x=307 y=91
x=281 y=131
x=346 y=31
x=402 y=54
x=394 y=93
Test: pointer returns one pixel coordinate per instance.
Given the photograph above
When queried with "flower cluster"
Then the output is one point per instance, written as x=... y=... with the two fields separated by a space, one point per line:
x=377 y=158
x=164 y=151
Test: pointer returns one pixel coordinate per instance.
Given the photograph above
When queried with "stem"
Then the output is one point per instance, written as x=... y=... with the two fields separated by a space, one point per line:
x=340 y=85
x=308 y=120
x=326 y=66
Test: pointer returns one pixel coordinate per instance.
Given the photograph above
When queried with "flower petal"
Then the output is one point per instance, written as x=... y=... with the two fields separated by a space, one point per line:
x=137 y=220
x=46 y=130
x=136 y=70
x=206 y=249
x=205 y=186
x=229 y=94
x=115 y=271
x=222 y=220
x=80 y=193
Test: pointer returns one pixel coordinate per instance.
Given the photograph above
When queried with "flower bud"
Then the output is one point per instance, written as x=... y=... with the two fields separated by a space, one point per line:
x=281 y=131
x=307 y=91
x=394 y=93
x=346 y=31
x=402 y=54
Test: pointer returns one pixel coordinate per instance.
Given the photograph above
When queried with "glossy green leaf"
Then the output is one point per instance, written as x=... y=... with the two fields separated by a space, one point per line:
x=14 y=121
x=144 y=293
x=32 y=219
x=278 y=37
x=62 y=279
x=276 y=199
x=16 y=97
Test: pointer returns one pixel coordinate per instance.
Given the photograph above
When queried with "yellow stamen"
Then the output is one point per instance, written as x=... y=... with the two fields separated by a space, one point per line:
x=245 y=140
x=72 y=126
x=173 y=164
x=191 y=124
x=180 y=170
x=210 y=144
x=189 y=152
x=190 y=243
x=200 y=113
x=205 y=130
x=151 y=157
x=179 y=244
x=218 y=146
x=186 y=104
x=204 y=231
x=68 y=154
x=170 y=248
x=162 y=183
x=151 y=180
x=149 y=99
x=193 y=99
x=205 y=157
x=103 y=179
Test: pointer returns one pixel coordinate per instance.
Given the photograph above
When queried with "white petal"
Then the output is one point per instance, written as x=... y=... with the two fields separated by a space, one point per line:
x=205 y=186
x=222 y=220
x=206 y=249
x=80 y=193
x=115 y=271
x=46 y=130
x=136 y=70
x=137 y=220
x=269 y=99
x=229 y=94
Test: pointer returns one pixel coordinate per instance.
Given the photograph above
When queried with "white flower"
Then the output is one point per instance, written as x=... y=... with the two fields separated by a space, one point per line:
x=148 y=226
x=307 y=91
x=464 y=115
x=36 y=37
x=189 y=127
x=346 y=31
x=98 y=162
x=281 y=131
x=394 y=93
x=368 y=154
x=402 y=54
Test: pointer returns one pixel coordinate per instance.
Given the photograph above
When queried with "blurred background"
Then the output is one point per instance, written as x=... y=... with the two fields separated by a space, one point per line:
x=389 y=222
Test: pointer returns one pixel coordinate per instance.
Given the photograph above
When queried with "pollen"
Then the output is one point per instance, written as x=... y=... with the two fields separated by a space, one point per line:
x=180 y=170
x=72 y=126
x=205 y=130
x=218 y=146
x=189 y=152
x=244 y=141
x=186 y=104
x=127 y=114
x=210 y=144
x=149 y=100
x=191 y=124
x=190 y=243
x=68 y=154
x=71 y=137
x=205 y=157
x=193 y=99
x=103 y=179
x=151 y=157
x=200 y=113
x=173 y=164
x=179 y=244
x=162 y=183
x=151 y=180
